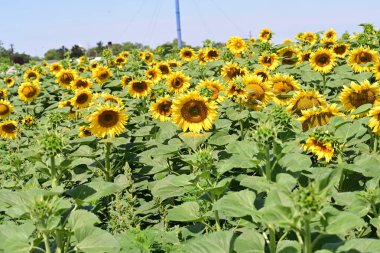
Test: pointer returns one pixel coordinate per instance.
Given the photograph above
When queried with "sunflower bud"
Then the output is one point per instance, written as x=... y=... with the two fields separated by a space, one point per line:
x=203 y=159
x=52 y=143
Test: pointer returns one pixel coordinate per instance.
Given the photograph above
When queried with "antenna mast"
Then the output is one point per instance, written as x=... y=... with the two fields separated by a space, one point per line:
x=179 y=37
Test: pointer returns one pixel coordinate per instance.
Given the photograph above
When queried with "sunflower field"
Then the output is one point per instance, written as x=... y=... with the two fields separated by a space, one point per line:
x=251 y=147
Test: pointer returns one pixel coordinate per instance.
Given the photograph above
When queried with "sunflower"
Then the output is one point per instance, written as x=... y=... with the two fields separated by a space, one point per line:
x=65 y=77
x=164 y=68
x=356 y=95
x=173 y=63
x=6 y=109
x=361 y=57
x=3 y=93
x=318 y=116
x=309 y=37
x=55 y=68
x=125 y=81
x=112 y=99
x=101 y=74
x=303 y=100
x=28 y=120
x=107 y=120
x=125 y=54
x=212 y=54
x=323 y=149
x=265 y=35
x=329 y=37
x=153 y=74
x=340 y=50
x=236 y=45
x=283 y=84
x=28 y=91
x=161 y=109
x=84 y=131
x=31 y=75
x=202 y=55
x=305 y=55
x=289 y=55
x=8 y=129
x=376 y=70
x=120 y=61
x=187 y=54
x=140 y=88
x=9 y=81
x=252 y=40
x=232 y=70
x=81 y=68
x=177 y=82
x=322 y=60
x=263 y=73
x=193 y=112
x=94 y=65
x=82 y=98
x=147 y=56
x=270 y=61
x=81 y=83
x=259 y=93
x=215 y=88
x=236 y=90
x=67 y=103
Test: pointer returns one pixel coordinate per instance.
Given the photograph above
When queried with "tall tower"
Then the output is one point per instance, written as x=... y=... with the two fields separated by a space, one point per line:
x=179 y=37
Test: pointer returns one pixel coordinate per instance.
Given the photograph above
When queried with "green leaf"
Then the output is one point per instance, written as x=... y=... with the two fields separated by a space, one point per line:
x=172 y=186
x=217 y=242
x=194 y=140
x=188 y=211
x=236 y=204
x=360 y=245
x=222 y=138
x=286 y=246
x=82 y=218
x=95 y=240
x=343 y=222
x=368 y=165
x=236 y=115
x=362 y=109
x=295 y=162
x=94 y=191
x=250 y=241
x=15 y=238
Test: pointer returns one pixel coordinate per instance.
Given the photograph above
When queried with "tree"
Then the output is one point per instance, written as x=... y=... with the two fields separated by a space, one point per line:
x=77 y=51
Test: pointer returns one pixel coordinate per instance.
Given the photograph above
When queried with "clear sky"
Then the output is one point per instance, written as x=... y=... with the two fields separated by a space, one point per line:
x=34 y=26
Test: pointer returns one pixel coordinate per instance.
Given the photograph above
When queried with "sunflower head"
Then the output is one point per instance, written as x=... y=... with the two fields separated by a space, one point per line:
x=81 y=83
x=322 y=60
x=270 y=61
x=28 y=91
x=236 y=45
x=161 y=109
x=3 y=93
x=340 y=50
x=177 y=82
x=303 y=100
x=330 y=37
x=125 y=54
x=265 y=35
x=289 y=55
x=84 y=131
x=120 y=61
x=321 y=145
x=9 y=81
x=232 y=70
x=263 y=73
x=309 y=37
x=125 y=81
x=31 y=75
x=193 y=112
x=153 y=74
x=140 y=88
x=101 y=74
x=82 y=98
x=65 y=77
x=376 y=70
x=55 y=68
x=8 y=129
x=6 y=109
x=164 y=68
x=107 y=120
x=259 y=93
x=361 y=58
x=318 y=116
x=94 y=65
x=215 y=88
x=187 y=54
x=28 y=120
x=283 y=84
x=212 y=54
x=305 y=55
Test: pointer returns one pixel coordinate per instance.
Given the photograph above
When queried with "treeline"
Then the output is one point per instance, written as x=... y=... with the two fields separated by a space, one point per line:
x=10 y=57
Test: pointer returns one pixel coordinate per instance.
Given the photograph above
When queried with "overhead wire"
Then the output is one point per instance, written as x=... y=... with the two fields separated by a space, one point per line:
x=226 y=16
x=203 y=21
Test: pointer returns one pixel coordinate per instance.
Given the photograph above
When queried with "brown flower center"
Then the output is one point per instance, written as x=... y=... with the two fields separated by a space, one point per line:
x=164 y=69
x=9 y=128
x=82 y=98
x=108 y=118
x=4 y=109
x=177 y=83
x=282 y=87
x=194 y=111
x=67 y=78
x=258 y=93
x=164 y=108
x=363 y=57
x=29 y=91
x=81 y=84
x=322 y=60
x=340 y=50
x=360 y=98
x=140 y=87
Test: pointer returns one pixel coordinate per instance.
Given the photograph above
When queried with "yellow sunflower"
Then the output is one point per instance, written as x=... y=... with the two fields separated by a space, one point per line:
x=147 y=56
x=3 y=93
x=65 y=77
x=177 y=82
x=153 y=74
x=289 y=55
x=356 y=95
x=318 y=116
x=161 y=109
x=361 y=58
x=236 y=90
x=67 y=103
x=236 y=45
x=323 y=149
x=252 y=40
x=212 y=54
x=232 y=70
x=214 y=86
x=202 y=55
x=94 y=65
x=193 y=112
x=187 y=54
x=164 y=68
x=28 y=120
x=81 y=83
x=330 y=37
x=341 y=50
x=120 y=61
x=28 y=91
x=259 y=92
x=9 y=81
x=125 y=81
x=309 y=37
x=125 y=54
x=110 y=98
x=81 y=68
x=303 y=100
x=263 y=73
x=174 y=63
x=6 y=109
x=265 y=35
x=82 y=98
x=305 y=55
x=107 y=120
x=8 y=129
x=84 y=131
x=55 y=68
x=281 y=85
x=322 y=60
x=376 y=70
x=140 y=88
x=101 y=74
x=31 y=75
x=270 y=61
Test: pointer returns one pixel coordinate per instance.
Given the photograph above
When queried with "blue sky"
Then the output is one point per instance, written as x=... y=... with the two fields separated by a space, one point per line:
x=36 y=26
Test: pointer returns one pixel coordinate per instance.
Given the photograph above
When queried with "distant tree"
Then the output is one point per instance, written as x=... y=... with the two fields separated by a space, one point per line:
x=20 y=58
x=52 y=54
x=77 y=51
x=99 y=47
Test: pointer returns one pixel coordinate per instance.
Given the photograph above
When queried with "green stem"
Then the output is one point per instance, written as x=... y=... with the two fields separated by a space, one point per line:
x=375 y=144
x=268 y=166
x=53 y=170
x=46 y=241
x=241 y=130
x=272 y=240
x=60 y=245
x=324 y=83
x=307 y=236
x=217 y=220
x=108 y=162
